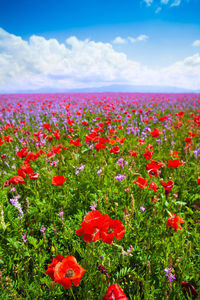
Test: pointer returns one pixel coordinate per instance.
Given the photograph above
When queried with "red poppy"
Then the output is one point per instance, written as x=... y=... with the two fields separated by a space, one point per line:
x=189 y=288
x=154 y=165
x=8 y=138
x=34 y=176
x=22 y=153
x=21 y=173
x=188 y=140
x=16 y=180
x=51 y=268
x=153 y=172
x=133 y=153
x=153 y=186
x=58 y=180
x=93 y=223
x=175 y=222
x=148 y=155
x=141 y=141
x=168 y=185
x=99 y=146
x=149 y=147
x=47 y=126
x=115 y=149
x=63 y=270
x=174 y=163
x=114 y=292
x=56 y=134
x=76 y=142
x=198 y=180
x=115 y=229
x=142 y=182
x=155 y=133
x=27 y=169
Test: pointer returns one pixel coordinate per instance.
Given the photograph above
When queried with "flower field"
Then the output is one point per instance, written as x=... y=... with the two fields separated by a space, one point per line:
x=100 y=196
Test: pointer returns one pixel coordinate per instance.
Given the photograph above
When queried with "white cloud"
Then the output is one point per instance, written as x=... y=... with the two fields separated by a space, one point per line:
x=140 y=38
x=196 y=43
x=158 y=10
x=163 y=2
x=41 y=63
x=119 y=40
x=176 y=3
x=148 y=2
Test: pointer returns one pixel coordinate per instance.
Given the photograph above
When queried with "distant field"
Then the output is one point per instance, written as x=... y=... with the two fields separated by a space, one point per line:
x=99 y=189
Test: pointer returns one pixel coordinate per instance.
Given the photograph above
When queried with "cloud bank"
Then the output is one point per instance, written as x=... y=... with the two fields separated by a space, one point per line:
x=41 y=63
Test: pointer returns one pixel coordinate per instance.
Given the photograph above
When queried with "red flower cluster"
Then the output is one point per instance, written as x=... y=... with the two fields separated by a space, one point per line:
x=58 y=180
x=16 y=180
x=142 y=182
x=190 y=289
x=63 y=270
x=167 y=185
x=96 y=226
x=174 y=163
x=115 y=149
x=114 y=292
x=175 y=222
x=155 y=133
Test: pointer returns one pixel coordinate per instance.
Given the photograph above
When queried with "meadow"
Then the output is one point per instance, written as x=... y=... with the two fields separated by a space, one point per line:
x=100 y=196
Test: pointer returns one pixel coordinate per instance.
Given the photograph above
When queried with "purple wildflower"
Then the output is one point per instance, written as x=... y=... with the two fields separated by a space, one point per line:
x=17 y=205
x=93 y=206
x=168 y=273
x=42 y=229
x=120 y=177
x=24 y=238
x=99 y=171
x=80 y=169
x=142 y=208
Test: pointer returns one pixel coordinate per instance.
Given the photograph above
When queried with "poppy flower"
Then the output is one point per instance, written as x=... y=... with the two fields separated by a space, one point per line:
x=149 y=147
x=65 y=270
x=8 y=138
x=168 y=185
x=114 y=292
x=154 y=165
x=175 y=222
x=34 y=176
x=16 y=180
x=189 y=288
x=142 y=182
x=153 y=186
x=133 y=153
x=99 y=146
x=155 y=133
x=115 y=149
x=93 y=223
x=153 y=172
x=198 y=180
x=21 y=173
x=47 y=126
x=27 y=169
x=51 y=268
x=22 y=153
x=58 y=180
x=174 y=163
x=148 y=155
x=115 y=229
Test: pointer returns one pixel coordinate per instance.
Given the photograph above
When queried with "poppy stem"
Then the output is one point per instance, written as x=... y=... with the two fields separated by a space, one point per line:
x=72 y=293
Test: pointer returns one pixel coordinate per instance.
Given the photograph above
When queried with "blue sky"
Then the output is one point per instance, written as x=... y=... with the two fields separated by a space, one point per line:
x=139 y=42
